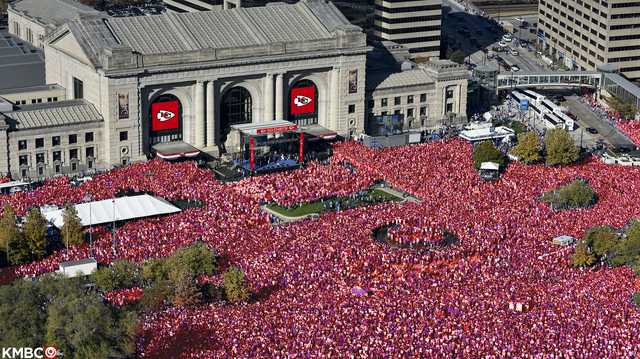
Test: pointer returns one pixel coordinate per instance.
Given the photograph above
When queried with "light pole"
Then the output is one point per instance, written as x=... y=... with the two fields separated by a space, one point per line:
x=87 y=198
x=113 y=228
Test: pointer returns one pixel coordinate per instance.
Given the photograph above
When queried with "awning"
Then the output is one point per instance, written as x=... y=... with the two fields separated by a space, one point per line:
x=175 y=150
x=256 y=129
x=319 y=131
x=115 y=209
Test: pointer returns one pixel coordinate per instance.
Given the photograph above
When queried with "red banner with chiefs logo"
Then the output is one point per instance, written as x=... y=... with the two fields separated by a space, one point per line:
x=165 y=116
x=303 y=100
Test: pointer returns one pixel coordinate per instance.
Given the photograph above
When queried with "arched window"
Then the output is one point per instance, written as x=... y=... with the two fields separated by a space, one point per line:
x=237 y=107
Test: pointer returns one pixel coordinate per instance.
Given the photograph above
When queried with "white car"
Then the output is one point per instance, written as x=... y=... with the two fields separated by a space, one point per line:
x=515 y=68
x=513 y=52
x=521 y=19
x=502 y=44
x=507 y=38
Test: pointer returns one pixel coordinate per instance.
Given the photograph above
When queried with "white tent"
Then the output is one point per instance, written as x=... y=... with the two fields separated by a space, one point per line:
x=118 y=209
x=490 y=166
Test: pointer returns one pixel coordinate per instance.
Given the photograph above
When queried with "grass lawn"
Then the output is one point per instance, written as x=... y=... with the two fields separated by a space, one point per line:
x=317 y=206
x=299 y=211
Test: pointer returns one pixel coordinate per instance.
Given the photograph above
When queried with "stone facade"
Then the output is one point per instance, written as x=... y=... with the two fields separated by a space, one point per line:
x=90 y=60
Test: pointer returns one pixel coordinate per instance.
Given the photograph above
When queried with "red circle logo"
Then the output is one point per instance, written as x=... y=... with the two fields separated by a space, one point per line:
x=50 y=352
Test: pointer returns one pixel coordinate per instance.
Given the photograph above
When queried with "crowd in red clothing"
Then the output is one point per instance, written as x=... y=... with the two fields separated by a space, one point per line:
x=120 y=297
x=504 y=290
x=631 y=128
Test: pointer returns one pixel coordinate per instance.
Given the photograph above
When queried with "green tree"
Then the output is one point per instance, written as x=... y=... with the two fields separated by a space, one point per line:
x=22 y=315
x=582 y=257
x=560 y=147
x=629 y=247
x=602 y=240
x=457 y=56
x=19 y=250
x=197 y=259
x=8 y=229
x=235 y=288
x=528 y=148
x=185 y=291
x=635 y=299
x=120 y=274
x=155 y=270
x=84 y=327
x=486 y=152
x=156 y=296
x=72 y=233
x=35 y=231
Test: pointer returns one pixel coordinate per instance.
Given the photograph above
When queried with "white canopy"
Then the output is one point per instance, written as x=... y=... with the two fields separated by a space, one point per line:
x=482 y=134
x=490 y=166
x=119 y=209
x=13 y=184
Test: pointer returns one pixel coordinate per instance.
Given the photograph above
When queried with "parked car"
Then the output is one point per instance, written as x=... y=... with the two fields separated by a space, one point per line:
x=502 y=44
x=513 y=52
x=592 y=130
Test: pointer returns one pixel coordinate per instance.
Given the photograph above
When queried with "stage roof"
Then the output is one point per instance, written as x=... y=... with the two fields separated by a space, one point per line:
x=258 y=129
x=175 y=150
x=120 y=209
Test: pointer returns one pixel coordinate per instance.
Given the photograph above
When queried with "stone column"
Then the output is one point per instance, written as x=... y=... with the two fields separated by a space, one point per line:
x=200 y=116
x=211 y=126
x=334 y=94
x=268 y=98
x=279 y=97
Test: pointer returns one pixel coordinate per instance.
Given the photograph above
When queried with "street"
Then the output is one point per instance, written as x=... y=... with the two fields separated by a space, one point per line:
x=475 y=34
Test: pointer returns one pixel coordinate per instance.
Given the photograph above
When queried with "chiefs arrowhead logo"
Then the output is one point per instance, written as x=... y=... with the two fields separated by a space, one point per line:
x=164 y=115
x=301 y=100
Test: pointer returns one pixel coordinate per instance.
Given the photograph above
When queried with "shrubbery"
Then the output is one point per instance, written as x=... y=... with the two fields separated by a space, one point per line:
x=604 y=244
x=577 y=194
x=486 y=152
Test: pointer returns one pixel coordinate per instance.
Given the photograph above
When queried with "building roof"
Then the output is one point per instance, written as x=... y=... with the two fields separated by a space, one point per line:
x=77 y=262
x=386 y=80
x=625 y=84
x=52 y=12
x=115 y=209
x=177 y=33
x=20 y=64
x=37 y=88
x=71 y=112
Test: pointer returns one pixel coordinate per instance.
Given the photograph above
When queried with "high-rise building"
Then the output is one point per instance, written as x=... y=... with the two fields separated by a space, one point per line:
x=413 y=24
x=585 y=34
x=200 y=5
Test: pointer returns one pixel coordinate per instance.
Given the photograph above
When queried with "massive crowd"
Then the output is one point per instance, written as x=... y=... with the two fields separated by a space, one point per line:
x=325 y=289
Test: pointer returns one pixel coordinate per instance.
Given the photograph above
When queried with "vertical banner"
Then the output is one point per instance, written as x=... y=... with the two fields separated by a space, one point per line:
x=251 y=153
x=301 y=155
x=165 y=116
x=353 y=81
x=123 y=106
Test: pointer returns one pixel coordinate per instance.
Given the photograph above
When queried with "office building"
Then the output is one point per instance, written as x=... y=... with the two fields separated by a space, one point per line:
x=585 y=34
x=413 y=24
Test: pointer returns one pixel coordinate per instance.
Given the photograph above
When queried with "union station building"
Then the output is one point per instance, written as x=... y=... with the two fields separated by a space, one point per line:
x=125 y=85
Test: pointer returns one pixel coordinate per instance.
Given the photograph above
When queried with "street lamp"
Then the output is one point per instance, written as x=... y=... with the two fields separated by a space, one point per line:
x=87 y=198
x=113 y=228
